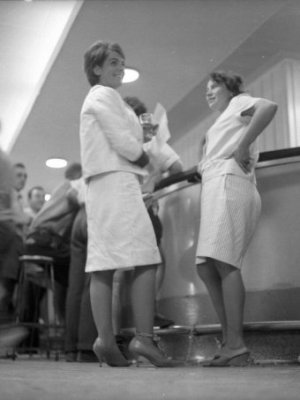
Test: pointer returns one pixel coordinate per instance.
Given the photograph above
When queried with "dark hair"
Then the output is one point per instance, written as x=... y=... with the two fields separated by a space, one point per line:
x=232 y=81
x=30 y=191
x=95 y=55
x=136 y=104
x=19 y=165
x=73 y=171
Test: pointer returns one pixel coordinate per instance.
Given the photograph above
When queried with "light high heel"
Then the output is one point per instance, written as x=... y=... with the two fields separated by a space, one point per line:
x=238 y=358
x=206 y=363
x=141 y=346
x=111 y=356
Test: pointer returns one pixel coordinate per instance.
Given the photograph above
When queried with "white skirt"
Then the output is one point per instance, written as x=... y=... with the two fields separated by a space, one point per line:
x=120 y=232
x=230 y=209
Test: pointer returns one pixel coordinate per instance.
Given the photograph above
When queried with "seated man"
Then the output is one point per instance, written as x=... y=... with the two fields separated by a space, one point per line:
x=10 y=334
x=49 y=234
x=36 y=200
x=81 y=331
x=10 y=265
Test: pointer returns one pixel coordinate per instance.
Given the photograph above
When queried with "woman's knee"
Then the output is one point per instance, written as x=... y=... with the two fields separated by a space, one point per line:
x=105 y=276
x=207 y=271
x=225 y=269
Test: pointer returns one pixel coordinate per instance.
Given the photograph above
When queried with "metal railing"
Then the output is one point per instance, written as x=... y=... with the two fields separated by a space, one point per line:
x=266 y=159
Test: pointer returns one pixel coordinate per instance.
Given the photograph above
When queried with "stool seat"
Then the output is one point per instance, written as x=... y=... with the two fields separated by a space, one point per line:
x=38 y=270
x=29 y=257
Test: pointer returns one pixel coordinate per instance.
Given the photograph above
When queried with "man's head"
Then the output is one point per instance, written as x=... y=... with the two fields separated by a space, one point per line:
x=36 y=198
x=136 y=104
x=20 y=176
x=73 y=171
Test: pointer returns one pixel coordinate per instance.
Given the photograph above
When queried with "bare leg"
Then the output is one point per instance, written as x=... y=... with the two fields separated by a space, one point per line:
x=212 y=280
x=101 y=302
x=234 y=300
x=143 y=305
x=143 y=298
x=105 y=346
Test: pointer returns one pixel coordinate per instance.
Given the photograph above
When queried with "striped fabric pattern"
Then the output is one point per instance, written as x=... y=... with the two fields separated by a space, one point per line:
x=230 y=208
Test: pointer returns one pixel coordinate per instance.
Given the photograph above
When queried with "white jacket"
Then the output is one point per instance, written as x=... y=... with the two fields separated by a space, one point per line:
x=110 y=134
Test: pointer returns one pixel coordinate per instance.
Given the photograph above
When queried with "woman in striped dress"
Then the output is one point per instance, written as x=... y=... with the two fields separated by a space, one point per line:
x=230 y=204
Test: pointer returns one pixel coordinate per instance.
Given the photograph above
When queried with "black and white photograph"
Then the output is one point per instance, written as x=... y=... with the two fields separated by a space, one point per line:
x=149 y=199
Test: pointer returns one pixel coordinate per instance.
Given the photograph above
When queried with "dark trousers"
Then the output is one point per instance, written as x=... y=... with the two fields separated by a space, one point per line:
x=33 y=293
x=80 y=328
x=11 y=247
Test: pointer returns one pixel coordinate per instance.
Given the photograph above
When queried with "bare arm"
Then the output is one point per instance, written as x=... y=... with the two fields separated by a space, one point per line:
x=263 y=114
x=176 y=167
x=202 y=147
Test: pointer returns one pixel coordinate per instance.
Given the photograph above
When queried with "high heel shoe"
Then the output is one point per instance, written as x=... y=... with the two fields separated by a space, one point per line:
x=206 y=363
x=238 y=358
x=111 y=356
x=144 y=345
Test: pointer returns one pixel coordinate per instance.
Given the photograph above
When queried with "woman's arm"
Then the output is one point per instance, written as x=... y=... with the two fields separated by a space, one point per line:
x=264 y=111
x=110 y=112
x=176 y=167
x=202 y=147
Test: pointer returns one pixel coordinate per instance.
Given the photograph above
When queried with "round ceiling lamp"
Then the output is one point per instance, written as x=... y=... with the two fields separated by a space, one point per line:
x=56 y=163
x=130 y=75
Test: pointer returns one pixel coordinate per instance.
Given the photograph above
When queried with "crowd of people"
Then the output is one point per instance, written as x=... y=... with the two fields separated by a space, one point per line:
x=103 y=220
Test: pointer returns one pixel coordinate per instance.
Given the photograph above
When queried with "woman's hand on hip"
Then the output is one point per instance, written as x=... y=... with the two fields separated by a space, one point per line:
x=243 y=159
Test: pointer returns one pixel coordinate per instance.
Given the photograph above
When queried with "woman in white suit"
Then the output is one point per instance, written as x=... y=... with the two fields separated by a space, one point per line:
x=120 y=233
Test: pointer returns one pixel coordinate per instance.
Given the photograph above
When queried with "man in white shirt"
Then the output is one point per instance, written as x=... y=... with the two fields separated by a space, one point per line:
x=10 y=335
x=36 y=200
x=10 y=262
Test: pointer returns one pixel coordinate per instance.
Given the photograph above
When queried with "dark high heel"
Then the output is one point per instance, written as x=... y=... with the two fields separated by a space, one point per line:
x=111 y=356
x=141 y=346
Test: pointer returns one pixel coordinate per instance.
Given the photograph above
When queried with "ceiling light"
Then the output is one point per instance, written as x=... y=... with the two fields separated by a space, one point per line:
x=130 y=75
x=56 y=163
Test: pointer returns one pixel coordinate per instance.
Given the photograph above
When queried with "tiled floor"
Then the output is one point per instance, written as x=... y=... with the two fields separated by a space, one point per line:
x=39 y=379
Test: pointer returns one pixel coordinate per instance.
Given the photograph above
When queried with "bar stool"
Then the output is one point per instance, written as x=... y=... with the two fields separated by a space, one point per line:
x=39 y=270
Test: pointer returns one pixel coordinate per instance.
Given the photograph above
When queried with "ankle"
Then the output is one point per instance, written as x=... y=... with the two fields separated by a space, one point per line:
x=144 y=334
x=235 y=343
x=147 y=337
x=106 y=341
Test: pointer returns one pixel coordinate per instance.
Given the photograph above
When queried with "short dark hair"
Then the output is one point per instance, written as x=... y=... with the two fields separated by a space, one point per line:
x=30 y=191
x=19 y=165
x=73 y=171
x=232 y=81
x=95 y=55
x=136 y=104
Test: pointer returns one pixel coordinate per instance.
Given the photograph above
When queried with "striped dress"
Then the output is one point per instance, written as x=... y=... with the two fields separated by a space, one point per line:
x=230 y=203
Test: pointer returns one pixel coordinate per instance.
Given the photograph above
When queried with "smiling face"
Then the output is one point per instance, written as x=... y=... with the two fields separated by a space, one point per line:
x=217 y=96
x=111 y=73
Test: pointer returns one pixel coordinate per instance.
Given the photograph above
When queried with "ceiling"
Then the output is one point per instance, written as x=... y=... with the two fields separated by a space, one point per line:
x=173 y=43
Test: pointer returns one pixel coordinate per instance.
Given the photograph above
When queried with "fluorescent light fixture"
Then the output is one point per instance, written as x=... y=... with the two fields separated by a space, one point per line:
x=40 y=29
x=130 y=75
x=56 y=163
